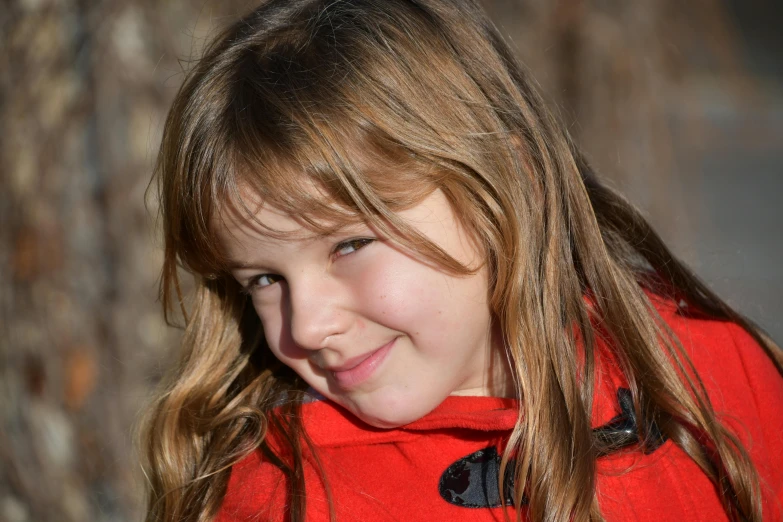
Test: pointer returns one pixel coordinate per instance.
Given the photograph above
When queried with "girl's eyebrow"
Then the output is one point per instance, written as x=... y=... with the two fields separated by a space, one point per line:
x=237 y=265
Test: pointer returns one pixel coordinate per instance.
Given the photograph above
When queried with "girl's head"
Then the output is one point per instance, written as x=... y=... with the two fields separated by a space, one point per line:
x=311 y=123
x=368 y=325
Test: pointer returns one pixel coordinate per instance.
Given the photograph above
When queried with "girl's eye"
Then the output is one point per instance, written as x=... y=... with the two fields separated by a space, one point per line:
x=351 y=246
x=264 y=280
x=341 y=249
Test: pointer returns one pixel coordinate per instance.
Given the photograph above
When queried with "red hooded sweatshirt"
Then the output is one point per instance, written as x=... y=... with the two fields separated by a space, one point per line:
x=443 y=467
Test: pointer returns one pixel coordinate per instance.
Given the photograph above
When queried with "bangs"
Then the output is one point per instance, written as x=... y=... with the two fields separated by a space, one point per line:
x=324 y=175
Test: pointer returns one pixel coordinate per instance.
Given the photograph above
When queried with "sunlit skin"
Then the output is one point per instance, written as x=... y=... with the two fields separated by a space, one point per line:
x=372 y=328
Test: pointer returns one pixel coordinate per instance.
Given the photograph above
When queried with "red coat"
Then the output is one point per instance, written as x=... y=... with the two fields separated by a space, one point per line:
x=399 y=474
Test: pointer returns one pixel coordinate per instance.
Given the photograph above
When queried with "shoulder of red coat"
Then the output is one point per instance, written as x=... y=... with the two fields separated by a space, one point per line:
x=256 y=491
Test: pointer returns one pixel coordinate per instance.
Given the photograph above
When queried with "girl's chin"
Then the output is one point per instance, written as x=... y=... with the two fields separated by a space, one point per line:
x=386 y=422
x=391 y=413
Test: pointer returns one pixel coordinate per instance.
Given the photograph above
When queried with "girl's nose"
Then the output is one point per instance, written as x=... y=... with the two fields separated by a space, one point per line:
x=316 y=312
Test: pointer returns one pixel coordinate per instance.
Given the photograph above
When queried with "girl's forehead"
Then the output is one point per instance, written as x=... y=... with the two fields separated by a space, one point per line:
x=249 y=216
x=265 y=220
x=242 y=236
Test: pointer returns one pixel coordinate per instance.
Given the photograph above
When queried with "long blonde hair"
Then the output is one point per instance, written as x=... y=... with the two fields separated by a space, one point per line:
x=375 y=103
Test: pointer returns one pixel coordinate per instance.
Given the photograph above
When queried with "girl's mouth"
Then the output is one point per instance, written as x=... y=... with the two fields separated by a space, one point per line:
x=357 y=374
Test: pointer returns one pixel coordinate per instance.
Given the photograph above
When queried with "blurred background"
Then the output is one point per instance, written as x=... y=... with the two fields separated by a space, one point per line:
x=679 y=104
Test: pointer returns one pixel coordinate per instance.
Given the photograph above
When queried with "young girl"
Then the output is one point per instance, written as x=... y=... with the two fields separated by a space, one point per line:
x=415 y=301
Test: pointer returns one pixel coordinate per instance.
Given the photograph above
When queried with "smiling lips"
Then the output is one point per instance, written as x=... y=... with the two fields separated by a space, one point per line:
x=358 y=370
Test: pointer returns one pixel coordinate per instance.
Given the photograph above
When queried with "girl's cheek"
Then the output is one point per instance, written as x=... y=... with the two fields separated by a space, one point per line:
x=264 y=313
x=393 y=290
x=269 y=301
x=272 y=322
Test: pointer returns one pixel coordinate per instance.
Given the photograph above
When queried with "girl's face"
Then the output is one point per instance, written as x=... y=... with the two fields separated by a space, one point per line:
x=370 y=327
